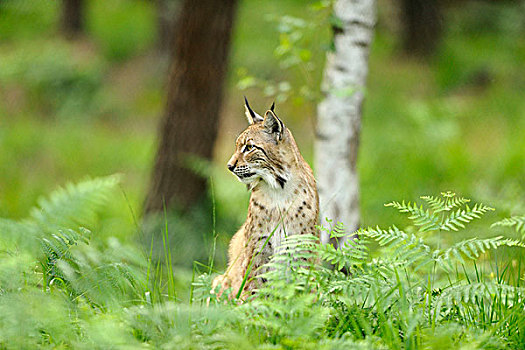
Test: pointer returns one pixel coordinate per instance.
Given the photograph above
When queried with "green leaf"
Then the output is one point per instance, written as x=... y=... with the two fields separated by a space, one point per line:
x=518 y=222
x=74 y=206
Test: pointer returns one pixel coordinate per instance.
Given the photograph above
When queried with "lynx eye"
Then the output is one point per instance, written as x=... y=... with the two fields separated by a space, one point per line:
x=247 y=148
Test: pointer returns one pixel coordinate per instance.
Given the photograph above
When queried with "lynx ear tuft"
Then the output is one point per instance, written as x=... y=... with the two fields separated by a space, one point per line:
x=273 y=125
x=272 y=108
x=250 y=114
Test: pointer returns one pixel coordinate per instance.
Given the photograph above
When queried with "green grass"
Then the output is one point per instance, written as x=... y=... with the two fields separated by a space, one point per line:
x=63 y=283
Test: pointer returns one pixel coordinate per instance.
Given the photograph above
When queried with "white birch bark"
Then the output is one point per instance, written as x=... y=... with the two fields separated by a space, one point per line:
x=339 y=114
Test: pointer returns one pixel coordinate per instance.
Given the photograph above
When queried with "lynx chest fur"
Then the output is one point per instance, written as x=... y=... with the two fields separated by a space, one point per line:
x=283 y=199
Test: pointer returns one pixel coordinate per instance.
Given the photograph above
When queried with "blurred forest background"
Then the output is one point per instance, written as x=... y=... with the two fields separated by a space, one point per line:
x=84 y=99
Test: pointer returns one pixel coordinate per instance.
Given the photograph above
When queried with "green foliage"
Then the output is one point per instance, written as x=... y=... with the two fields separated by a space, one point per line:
x=354 y=253
x=54 y=78
x=20 y=19
x=71 y=289
x=122 y=28
x=518 y=222
x=299 y=54
x=404 y=299
x=435 y=219
x=53 y=281
x=75 y=205
x=447 y=201
x=502 y=22
x=66 y=260
x=471 y=249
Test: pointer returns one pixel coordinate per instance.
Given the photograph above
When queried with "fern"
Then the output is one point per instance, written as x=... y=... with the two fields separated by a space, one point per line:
x=460 y=217
x=434 y=219
x=19 y=235
x=362 y=285
x=471 y=249
x=56 y=249
x=75 y=205
x=354 y=253
x=294 y=260
x=61 y=217
x=393 y=296
x=473 y=293
x=385 y=237
x=403 y=247
x=517 y=221
x=446 y=202
x=427 y=220
x=334 y=231
x=65 y=241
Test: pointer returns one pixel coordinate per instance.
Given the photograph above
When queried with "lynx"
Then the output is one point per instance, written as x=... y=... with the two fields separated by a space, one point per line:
x=283 y=200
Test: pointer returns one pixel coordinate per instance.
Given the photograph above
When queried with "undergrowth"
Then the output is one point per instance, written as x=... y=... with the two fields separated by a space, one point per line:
x=400 y=288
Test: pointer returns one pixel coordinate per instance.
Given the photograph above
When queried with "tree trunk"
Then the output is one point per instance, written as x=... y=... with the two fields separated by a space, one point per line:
x=195 y=89
x=72 y=18
x=166 y=14
x=339 y=114
x=423 y=25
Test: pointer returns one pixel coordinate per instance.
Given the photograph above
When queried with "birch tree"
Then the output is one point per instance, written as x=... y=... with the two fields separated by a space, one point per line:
x=339 y=113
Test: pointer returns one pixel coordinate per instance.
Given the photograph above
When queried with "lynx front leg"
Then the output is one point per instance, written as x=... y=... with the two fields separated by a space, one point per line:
x=237 y=263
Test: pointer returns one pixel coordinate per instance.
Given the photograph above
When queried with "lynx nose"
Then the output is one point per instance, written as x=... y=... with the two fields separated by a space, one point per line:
x=231 y=166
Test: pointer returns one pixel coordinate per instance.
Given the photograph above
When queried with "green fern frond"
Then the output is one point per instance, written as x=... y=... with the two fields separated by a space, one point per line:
x=75 y=205
x=425 y=219
x=471 y=249
x=18 y=235
x=358 y=286
x=414 y=250
x=383 y=268
x=295 y=258
x=61 y=219
x=405 y=247
x=517 y=221
x=56 y=248
x=334 y=231
x=435 y=203
x=299 y=242
x=385 y=237
x=431 y=219
x=353 y=253
x=377 y=271
x=460 y=217
x=448 y=194
x=448 y=201
x=475 y=292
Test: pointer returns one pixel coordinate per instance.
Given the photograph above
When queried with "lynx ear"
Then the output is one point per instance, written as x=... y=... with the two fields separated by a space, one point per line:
x=250 y=114
x=273 y=125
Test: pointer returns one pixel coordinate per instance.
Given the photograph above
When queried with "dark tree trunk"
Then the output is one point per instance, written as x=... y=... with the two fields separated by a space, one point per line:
x=72 y=18
x=189 y=126
x=423 y=26
x=166 y=14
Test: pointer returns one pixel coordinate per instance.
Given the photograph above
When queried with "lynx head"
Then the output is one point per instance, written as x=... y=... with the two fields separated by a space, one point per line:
x=264 y=151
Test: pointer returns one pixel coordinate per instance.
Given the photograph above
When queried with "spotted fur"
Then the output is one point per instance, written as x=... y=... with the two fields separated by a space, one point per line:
x=284 y=198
